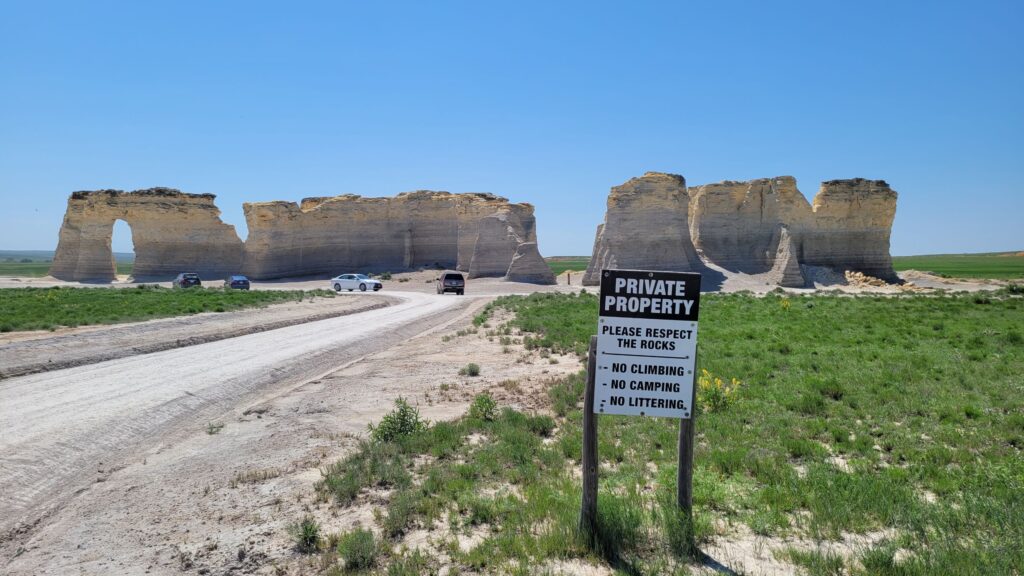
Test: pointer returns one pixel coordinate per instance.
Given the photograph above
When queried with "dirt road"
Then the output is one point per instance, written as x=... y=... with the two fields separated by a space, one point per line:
x=42 y=351
x=67 y=429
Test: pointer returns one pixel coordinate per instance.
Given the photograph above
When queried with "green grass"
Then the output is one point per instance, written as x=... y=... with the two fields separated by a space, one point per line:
x=38 y=268
x=49 y=308
x=560 y=264
x=1002 y=265
x=36 y=263
x=856 y=415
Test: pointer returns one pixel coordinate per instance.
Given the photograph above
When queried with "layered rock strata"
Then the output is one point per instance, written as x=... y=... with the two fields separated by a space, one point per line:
x=529 y=266
x=411 y=230
x=763 y=226
x=645 y=228
x=172 y=231
x=175 y=232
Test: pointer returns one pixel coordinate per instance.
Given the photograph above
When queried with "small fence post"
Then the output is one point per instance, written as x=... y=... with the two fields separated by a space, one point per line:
x=588 y=510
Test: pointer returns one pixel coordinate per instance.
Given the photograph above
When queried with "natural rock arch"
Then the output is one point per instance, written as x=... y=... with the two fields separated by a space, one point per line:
x=172 y=232
x=175 y=232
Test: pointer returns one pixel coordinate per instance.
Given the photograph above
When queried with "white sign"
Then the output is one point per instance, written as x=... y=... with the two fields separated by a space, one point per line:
x=646 y=343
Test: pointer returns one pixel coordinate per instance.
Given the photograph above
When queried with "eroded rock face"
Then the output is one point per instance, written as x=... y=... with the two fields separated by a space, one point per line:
x=852 y=225
x=176 y=232
x=497 y=237
x=762 y=226
x=645 y=227
x=414 y=229
x=737 y=225
x=529 y=266
x=172 y=231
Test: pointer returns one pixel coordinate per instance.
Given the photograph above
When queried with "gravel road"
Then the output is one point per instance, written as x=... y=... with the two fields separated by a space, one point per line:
x=30 y=352
x=63 y=430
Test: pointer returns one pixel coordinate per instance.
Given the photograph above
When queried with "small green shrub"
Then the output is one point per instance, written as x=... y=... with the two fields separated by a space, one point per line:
x=470 y=369
x=306 y=535
x=402 y=421
x=358 y=548
x=483 y=408
x=384 y=276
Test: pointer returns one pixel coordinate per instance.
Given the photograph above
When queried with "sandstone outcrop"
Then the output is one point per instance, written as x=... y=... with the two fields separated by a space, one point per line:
x=852 y=225
x=529 y=266
x=763 y=226
x=645 y=228
x=411 y=230
x=175 y=232
x=786 y=269
x=172 y=231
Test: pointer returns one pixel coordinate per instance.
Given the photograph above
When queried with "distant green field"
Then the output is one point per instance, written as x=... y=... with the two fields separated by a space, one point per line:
x=559 y=264
x=1004 y=265
x=36 y=263
x=37 y=268
x=49 y=308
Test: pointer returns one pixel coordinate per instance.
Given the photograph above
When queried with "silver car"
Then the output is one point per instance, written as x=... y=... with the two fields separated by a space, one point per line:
x=352 y=282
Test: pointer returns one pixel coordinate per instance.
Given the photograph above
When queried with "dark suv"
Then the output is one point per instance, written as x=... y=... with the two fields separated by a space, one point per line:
x=186 y=280
x=451 y=282
x=237 y=283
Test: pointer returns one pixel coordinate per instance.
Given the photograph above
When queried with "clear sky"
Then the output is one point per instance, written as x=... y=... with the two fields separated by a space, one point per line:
x=549 y=102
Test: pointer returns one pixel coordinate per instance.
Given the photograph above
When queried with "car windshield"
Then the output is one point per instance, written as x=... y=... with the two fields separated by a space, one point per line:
x=453 y=277
x=190 y=276
x=241 y=278
x=362 y=277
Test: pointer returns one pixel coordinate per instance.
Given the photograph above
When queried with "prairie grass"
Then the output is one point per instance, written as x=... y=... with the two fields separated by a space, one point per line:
x=559 y=265
x=40 y=268
x=49 y=308
x=1005 y=265
x=899 y=416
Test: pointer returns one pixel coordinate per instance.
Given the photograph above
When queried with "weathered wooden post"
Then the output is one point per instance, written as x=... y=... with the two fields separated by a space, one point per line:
x=684 y=474
x=588 y=509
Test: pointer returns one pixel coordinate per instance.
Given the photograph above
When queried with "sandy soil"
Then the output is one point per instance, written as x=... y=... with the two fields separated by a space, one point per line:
x=219 y=503
x=40 y=351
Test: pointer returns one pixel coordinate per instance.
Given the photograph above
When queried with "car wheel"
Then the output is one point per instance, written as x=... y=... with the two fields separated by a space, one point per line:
x=337 y=287
x=460 y=292
x=362 y=287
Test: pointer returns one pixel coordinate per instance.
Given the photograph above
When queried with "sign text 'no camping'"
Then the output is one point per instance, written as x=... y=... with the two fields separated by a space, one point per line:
x=646 y=343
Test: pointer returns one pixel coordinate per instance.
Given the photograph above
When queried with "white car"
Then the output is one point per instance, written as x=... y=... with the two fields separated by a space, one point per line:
x=352 y=282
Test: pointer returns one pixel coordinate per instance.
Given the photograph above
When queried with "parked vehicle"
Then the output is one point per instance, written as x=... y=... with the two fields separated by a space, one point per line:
x=351 y=282
x=236 y=283
x=451 y=282
x=186 y=280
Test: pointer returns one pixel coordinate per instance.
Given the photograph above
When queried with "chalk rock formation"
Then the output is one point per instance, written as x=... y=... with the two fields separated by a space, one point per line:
x=496 y=242
x=851 y=228
x=645 y=227
x=786 y=269
x=176 y=232
x=737 y=225
x=757 y=227
x=172 y=231
x=529 y=266
x=414 y=229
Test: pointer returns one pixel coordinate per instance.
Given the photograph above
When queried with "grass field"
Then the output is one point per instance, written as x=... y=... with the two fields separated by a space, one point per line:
x=38 y=269
x=1005 y=265
x=36 y=263
x=559 y=264
x=49 y=308
x=898 y=421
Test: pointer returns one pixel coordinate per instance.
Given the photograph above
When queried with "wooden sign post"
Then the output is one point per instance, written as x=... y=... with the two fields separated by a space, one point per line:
x=643 y=362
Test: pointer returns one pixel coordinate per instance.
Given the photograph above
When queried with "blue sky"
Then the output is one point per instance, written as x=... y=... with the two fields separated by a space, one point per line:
x=550 y=103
